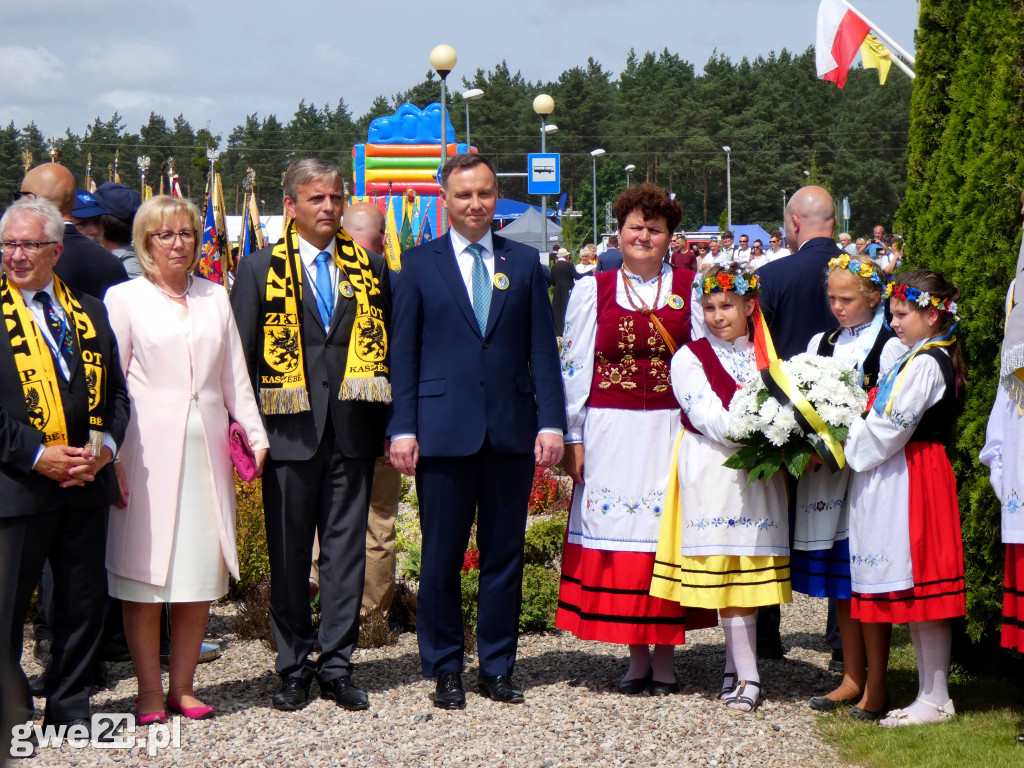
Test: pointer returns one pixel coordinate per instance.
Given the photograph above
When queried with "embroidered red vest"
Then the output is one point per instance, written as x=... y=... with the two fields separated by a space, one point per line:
x=632 y=361
x=722 y=383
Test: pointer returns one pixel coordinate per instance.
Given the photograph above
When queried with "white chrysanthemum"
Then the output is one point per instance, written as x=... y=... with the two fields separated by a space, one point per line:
x=785 y=419
x=777 y=436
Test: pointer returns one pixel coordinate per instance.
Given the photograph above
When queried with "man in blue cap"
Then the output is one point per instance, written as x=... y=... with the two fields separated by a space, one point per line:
x=120 y=205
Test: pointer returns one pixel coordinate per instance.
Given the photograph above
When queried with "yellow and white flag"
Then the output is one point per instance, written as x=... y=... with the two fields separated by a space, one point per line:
x=876 y=56
x=392 y=246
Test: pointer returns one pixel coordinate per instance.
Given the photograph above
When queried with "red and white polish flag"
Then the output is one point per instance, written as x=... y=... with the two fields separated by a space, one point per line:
x=840 y=34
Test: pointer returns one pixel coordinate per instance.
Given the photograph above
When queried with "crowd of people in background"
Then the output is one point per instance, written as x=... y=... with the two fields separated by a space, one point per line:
x=466 y=369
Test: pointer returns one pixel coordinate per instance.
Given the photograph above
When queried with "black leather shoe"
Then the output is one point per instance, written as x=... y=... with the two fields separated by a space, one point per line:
x=345 y=693
x=867 y=715
x=825 y=704
x=294 y=694
x=36 y=685
x=658 y=688
x=1020 y=738
x=501 y=688
x=449 y=693
x=637 y=684
x=836 y=663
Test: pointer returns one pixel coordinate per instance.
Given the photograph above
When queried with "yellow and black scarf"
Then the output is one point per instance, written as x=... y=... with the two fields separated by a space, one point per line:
x=282 y=372
x=37 y=368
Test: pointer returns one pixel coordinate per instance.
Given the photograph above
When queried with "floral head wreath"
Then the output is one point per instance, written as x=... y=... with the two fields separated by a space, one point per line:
x=740 y=283
x=859 y=268
x=923 y=299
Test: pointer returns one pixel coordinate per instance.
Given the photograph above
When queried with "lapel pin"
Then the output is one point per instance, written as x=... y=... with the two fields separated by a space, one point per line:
x=676 y=301
x=347 y=290
x=500 y=281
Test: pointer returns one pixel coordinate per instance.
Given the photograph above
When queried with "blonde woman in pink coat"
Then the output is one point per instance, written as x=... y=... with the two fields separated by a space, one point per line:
x=172 y=539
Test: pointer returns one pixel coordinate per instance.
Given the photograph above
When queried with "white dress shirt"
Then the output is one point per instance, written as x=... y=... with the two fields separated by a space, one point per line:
x=464 y=258
x=307 y=255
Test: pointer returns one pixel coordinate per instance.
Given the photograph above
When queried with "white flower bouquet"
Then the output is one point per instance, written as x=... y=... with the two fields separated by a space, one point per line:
x=778 y=430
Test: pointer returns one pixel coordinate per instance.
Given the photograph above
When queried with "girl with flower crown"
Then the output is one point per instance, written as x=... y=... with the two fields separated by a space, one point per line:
x=906 y=554
x=820 y=556
x=722 y=544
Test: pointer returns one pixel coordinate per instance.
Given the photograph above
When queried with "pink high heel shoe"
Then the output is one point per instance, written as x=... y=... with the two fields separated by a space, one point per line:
x=192 y=713
x=150 y=718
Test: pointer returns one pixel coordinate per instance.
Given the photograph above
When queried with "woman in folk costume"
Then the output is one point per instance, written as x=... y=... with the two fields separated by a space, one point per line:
x=906 y=554
x=725 y=544
x=1003 y=454
x=820 y=547
x=621 y=330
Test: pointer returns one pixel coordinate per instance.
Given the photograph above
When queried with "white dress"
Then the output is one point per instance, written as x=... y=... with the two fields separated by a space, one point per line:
x=880 y=549
x=719 y=515
x=821 y=515
x=619 y=506
x=197 y=572
x=1003 y=454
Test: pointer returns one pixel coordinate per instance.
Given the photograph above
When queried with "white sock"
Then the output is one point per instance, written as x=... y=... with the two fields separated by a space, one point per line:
x=741 y=645
x=932 y=642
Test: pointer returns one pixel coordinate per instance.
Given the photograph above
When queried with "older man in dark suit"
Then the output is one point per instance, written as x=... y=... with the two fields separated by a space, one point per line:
x=63 y=412
x=313 y=313
x=478 y=400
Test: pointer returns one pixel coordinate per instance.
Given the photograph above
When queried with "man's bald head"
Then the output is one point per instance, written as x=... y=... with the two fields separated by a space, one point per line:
x=809 y=213
x=53 y=182
x=365 y=223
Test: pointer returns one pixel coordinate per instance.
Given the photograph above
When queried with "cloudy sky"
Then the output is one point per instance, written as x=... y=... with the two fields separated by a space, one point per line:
x=65 y=62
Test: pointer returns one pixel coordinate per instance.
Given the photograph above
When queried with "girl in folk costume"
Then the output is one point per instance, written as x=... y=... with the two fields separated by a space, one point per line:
x=620 y=332
x=1004 y=455
x=820 y=556
x=906 y=554
x=724 y=545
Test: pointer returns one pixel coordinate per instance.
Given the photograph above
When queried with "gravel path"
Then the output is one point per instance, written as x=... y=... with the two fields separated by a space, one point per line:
x=572 y=716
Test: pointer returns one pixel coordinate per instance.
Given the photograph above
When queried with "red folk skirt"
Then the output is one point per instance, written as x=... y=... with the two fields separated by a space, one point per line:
x=604 y=595
x=1013 y=598
x=936 y=547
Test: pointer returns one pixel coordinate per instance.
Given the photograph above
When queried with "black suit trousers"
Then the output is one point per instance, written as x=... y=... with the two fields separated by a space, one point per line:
x=494 y=488
x=74 y=541
x=328 y=494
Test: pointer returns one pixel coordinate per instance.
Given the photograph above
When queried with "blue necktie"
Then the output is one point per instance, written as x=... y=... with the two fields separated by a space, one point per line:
x=57 y=327
x=481 y=286
x=324 y=289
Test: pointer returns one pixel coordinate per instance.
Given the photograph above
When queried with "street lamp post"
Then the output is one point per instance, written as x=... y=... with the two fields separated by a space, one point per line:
x=728 y=186
x=629 y=169
x=471 y=95
x=594 y=154
x=442 y=59
x=783 y=208
x=544 y=105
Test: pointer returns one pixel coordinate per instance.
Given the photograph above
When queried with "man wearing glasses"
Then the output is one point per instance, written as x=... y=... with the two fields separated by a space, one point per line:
x=65 y=410
x=84 y=265
x=776 y=250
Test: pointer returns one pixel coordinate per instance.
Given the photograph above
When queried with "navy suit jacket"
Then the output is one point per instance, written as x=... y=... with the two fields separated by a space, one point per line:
x=794 y=297
x=453 y=386
x=610 y=260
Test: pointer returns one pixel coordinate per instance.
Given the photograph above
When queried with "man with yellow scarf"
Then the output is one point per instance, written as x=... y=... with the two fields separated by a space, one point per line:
x=313 y=312
x=63 y=412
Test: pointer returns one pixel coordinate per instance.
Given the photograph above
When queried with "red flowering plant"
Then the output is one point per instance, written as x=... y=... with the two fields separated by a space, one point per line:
x=471 y=560
x=547 y=494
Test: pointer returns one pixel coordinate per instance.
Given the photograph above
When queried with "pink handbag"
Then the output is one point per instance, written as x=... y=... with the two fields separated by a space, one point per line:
x=241 y=452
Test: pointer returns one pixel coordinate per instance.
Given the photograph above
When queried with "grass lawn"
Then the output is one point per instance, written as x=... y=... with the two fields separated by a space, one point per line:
x=983 y=734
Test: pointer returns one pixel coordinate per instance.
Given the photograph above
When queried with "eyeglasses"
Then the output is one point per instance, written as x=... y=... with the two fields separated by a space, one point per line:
x=167 y=238
x=773 y=240
x=28 y=248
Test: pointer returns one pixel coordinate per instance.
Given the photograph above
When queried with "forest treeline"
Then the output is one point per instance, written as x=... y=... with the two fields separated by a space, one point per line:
x=785 y=128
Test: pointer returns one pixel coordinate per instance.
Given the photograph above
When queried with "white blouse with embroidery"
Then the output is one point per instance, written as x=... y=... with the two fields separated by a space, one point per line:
x=879 y=497
x=720 y=514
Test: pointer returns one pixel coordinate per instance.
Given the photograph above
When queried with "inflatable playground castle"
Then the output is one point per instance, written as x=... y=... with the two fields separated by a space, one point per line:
x=403 y=152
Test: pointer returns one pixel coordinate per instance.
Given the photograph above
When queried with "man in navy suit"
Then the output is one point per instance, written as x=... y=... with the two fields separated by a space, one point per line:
x=478 y=400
